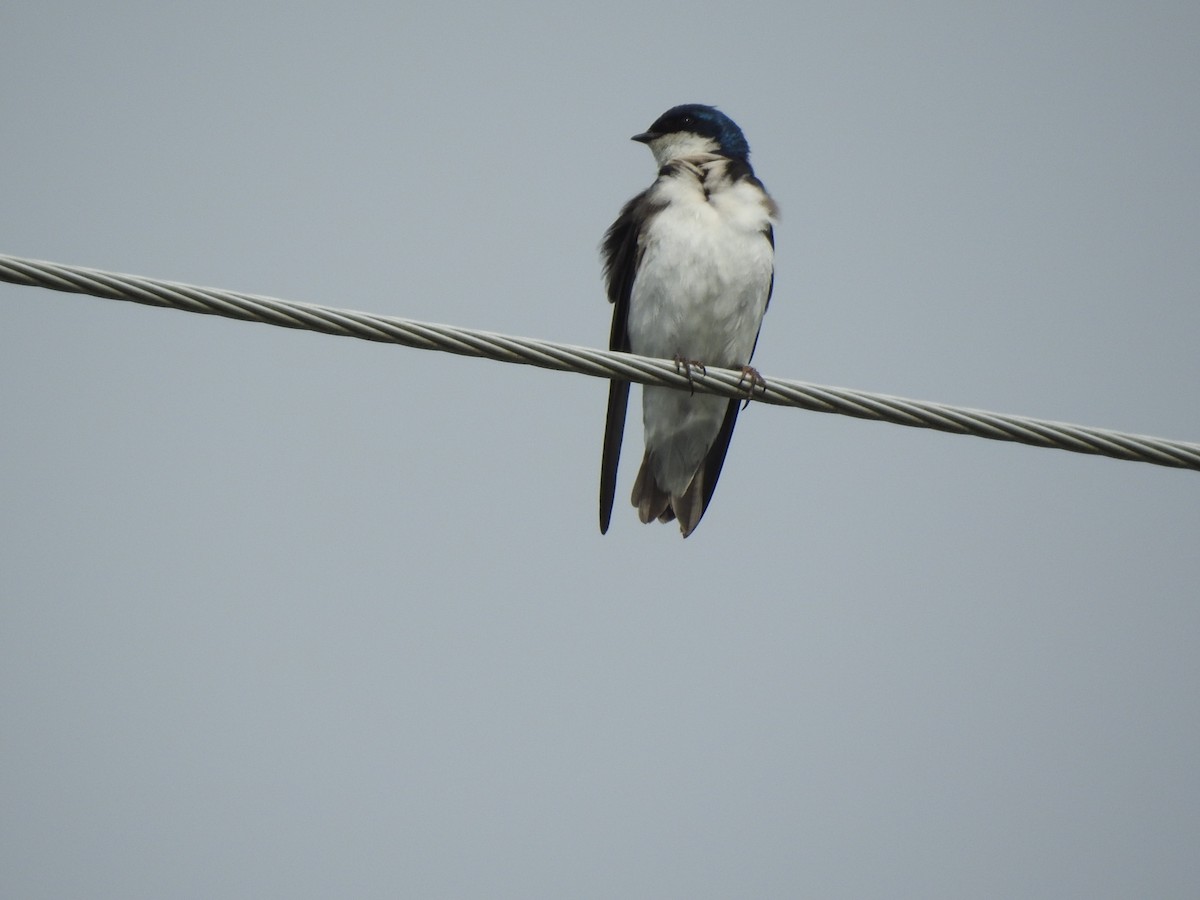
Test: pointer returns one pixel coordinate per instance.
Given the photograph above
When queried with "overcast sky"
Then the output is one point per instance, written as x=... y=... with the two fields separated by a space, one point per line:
x=287 y=615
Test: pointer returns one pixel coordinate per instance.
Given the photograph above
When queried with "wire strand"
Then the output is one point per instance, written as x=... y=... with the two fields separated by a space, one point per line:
x=599 y=363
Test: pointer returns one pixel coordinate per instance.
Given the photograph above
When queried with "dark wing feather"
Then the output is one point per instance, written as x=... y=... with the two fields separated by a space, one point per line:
x=770 y=233
x=614 y=431
x=621 y=256
x=714 y=460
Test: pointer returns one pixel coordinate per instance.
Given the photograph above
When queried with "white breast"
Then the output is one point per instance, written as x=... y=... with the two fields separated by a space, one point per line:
x=705 y=273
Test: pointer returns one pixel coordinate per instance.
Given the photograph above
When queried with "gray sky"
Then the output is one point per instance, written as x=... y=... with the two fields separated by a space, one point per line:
x=284 y=615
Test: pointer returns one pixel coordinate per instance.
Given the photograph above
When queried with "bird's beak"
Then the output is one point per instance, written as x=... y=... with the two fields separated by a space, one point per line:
x=645 y=137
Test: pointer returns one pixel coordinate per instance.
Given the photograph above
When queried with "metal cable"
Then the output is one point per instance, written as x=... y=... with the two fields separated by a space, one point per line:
x=599 y=363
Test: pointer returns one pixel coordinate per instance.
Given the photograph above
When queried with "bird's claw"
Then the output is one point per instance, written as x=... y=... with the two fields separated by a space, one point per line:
x=686 y=366
x=753 y=381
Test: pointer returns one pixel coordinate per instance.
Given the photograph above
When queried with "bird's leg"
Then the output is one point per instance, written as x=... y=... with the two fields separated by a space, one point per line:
x=753 y=381
x=685 y=367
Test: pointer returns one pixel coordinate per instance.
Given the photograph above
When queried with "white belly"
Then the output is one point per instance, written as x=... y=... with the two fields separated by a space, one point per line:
x=700 y=294
x=701 y=289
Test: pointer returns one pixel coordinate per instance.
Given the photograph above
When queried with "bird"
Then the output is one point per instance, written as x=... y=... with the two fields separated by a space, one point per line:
x=689 y=267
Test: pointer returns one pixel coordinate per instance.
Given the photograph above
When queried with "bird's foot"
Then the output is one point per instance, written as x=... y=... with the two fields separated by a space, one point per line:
x=753 y=381
x=686 y=367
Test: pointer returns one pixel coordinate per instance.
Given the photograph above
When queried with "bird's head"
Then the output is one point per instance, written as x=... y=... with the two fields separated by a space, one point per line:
x=694 y=128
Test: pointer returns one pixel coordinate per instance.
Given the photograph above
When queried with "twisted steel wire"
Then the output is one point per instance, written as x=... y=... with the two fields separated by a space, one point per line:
x=599 y=363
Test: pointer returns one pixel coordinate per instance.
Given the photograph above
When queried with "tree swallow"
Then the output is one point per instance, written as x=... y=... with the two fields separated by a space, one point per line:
x=689 y=268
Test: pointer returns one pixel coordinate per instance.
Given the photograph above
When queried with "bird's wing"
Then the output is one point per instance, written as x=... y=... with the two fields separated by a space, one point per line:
x=770 y=233
x=715 y=458
x=622 y=254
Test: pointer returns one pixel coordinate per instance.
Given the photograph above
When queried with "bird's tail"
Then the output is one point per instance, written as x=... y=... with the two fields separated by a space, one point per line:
x=653 y=502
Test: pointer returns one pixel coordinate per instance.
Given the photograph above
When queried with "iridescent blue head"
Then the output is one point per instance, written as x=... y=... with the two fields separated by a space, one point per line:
x=694 y=128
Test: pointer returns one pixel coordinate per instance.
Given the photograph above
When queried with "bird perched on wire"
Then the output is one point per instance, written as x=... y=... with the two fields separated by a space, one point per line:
x=689 y=268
